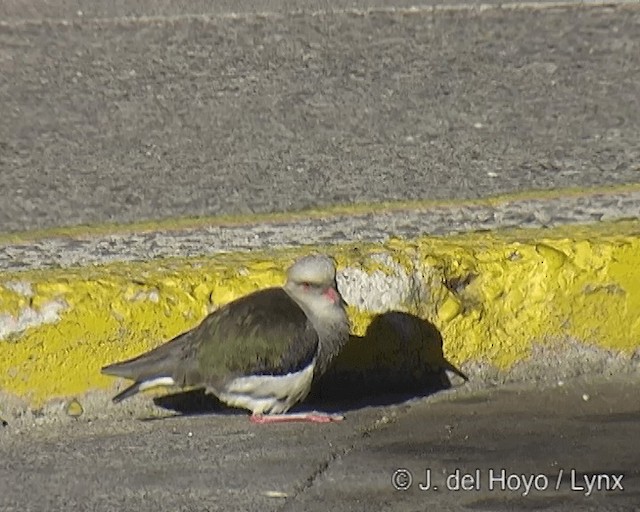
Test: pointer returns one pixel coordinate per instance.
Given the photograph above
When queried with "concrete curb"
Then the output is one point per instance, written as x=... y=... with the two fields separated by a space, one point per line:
x=491 y=299
x=361 y=223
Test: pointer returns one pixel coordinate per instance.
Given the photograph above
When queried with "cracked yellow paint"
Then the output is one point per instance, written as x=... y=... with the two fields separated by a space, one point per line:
x=491 y=295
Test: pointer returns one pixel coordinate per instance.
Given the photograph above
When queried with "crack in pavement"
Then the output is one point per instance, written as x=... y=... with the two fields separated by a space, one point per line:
x=387 y=418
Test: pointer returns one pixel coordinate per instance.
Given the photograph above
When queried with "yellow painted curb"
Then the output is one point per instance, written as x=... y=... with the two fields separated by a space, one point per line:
x=490 y=295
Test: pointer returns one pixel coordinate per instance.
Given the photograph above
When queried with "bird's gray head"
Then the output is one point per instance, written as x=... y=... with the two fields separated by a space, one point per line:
x=315 y=269
x=312 y=280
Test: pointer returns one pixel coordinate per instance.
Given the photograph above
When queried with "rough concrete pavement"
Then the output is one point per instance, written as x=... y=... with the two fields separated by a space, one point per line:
x=223 y=462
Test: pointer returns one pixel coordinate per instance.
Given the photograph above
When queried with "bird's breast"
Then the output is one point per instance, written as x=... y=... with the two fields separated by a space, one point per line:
x=268 y=394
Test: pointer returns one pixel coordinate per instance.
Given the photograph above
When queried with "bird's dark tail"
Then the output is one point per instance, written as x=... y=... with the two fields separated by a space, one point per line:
x=451 y=368
x=129 y=392
x=141 y=385
x=154 y=368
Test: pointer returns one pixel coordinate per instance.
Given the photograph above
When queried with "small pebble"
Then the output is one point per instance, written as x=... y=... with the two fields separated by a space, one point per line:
x=585 y=397
x=74 y=409
x=383 y=421
x=275 y=494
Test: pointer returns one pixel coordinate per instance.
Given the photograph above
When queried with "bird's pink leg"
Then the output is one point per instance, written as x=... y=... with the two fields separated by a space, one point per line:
x=312 y=417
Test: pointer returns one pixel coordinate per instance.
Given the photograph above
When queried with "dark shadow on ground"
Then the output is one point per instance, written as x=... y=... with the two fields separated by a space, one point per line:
x=400 y=357
x=194 y=402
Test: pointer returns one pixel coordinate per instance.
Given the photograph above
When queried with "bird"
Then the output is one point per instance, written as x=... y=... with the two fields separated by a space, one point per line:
x=260 y=352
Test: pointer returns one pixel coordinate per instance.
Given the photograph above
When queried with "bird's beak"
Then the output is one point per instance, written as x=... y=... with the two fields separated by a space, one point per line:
x=334 y=296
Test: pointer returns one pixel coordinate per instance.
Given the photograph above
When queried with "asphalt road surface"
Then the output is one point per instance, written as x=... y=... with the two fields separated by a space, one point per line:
x=119 y=120
x=526 y=447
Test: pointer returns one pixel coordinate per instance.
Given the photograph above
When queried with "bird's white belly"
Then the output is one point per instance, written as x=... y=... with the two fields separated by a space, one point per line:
x=267 y=394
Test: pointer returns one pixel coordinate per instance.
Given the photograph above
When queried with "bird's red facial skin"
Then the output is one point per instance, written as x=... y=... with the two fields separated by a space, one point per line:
x=332 y=295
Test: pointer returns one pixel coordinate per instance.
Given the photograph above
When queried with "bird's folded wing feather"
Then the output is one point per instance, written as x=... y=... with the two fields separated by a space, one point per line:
x=263 y=333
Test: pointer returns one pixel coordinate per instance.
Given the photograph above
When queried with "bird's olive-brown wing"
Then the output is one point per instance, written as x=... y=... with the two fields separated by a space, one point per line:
x=265 y=333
